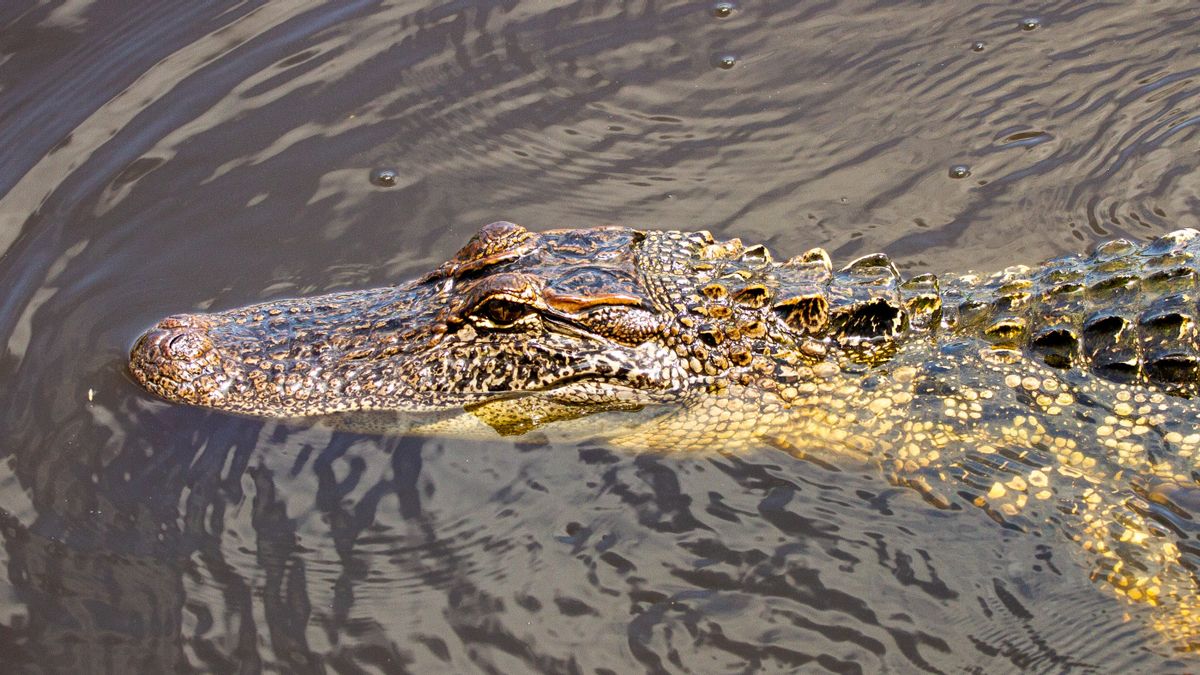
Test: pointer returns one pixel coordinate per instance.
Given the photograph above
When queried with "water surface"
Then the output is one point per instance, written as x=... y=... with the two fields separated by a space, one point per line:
x=167 y=156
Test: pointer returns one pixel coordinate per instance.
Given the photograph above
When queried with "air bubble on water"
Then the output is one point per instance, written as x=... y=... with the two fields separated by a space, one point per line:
x=1031 y=23
x=723 y=10
x=960 y=171
x=385 y=177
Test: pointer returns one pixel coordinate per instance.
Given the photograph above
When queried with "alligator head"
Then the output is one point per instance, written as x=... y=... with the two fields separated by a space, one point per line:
x=596 y=317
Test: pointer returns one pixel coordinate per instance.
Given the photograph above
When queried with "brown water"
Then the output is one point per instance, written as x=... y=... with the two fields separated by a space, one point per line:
x=162 y=156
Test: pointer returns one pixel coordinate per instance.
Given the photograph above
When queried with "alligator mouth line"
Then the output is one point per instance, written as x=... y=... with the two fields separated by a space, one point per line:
x=181 y=361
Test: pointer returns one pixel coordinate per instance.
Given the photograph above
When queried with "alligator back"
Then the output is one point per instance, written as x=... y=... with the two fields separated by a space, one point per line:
x=1126 y=312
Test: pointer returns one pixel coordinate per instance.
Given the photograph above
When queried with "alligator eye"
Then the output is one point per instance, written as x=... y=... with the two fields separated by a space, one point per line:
x=501 y=312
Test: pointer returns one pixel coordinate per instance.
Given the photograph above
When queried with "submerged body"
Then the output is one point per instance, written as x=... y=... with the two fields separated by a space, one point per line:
x=1064 y=395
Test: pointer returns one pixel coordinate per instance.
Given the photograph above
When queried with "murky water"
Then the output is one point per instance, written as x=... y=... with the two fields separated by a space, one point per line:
x=160 y=157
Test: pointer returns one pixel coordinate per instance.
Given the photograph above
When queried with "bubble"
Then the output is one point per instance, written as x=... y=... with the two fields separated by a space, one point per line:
x=960 y=171
x=723 y=10
x=978 y=46
x=725 y=61
x=385 y=177
x=1031 y=23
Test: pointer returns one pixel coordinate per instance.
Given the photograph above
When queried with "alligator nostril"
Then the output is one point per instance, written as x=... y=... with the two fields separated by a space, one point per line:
x=187 y=343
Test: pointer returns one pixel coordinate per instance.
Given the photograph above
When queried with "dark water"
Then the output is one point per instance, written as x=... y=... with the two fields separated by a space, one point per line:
x=163 y=156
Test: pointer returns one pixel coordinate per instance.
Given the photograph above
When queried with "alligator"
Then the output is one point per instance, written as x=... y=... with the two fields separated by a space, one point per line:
x=1063 y=396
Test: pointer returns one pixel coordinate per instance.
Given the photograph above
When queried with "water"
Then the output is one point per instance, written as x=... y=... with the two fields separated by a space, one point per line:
x=164 y=156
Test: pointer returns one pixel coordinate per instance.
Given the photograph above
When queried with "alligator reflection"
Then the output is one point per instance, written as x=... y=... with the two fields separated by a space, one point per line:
x=120 y=564
x=252 y=545
x=104 y=568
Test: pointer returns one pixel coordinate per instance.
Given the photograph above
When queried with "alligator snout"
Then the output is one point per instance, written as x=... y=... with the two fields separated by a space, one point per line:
x=176 y=360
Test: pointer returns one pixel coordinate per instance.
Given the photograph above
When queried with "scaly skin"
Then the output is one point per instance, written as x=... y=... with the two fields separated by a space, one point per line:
x=1062 y=395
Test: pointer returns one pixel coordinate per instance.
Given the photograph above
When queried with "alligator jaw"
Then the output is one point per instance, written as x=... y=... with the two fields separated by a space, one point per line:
x=249 y=362
x=514 y=314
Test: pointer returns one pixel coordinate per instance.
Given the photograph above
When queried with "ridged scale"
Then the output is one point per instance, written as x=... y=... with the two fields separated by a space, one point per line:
x=1126 y=312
